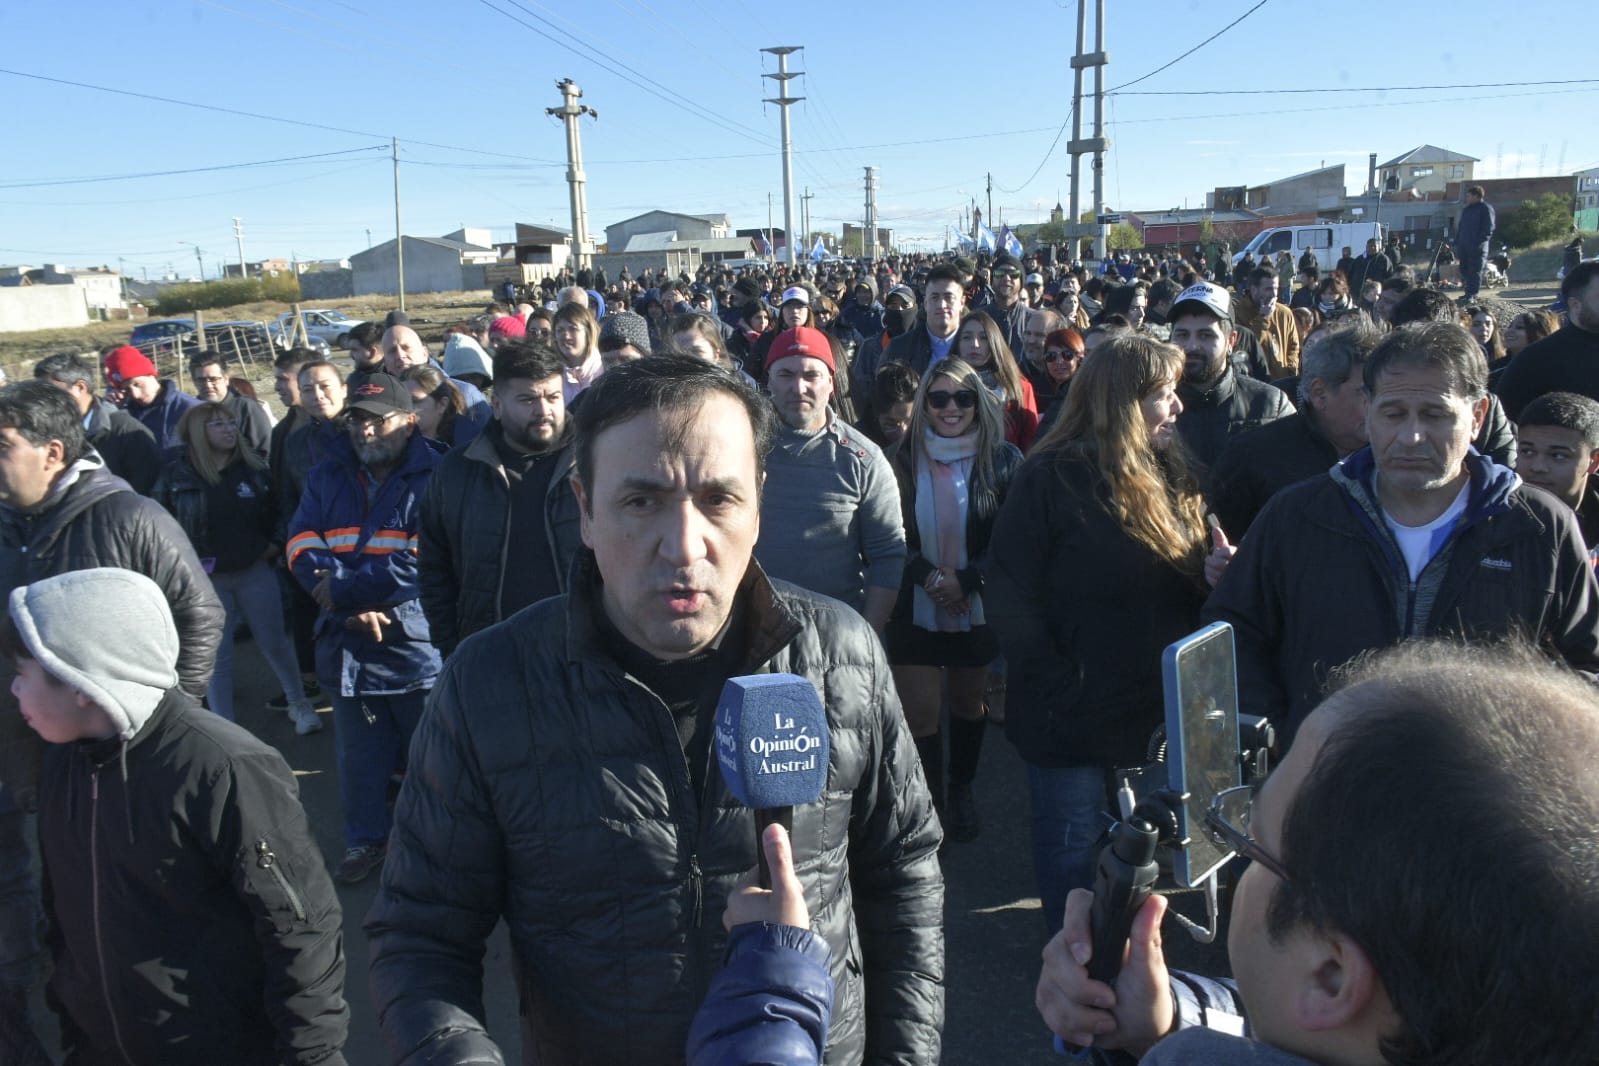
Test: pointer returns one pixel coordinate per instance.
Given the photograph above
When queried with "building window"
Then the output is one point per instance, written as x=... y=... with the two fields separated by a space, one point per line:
x=1457 y=171
x=1421 y=172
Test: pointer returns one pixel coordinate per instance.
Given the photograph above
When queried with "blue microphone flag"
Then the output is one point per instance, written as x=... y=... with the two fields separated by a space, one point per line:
x=771 y=740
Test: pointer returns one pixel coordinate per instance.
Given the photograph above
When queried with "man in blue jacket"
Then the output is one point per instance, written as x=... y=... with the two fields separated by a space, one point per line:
x=1475 y=230
x=352 y=546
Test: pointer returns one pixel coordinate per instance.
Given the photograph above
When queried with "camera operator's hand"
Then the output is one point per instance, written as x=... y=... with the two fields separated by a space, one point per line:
x=783 y=903
x=1130 y=1017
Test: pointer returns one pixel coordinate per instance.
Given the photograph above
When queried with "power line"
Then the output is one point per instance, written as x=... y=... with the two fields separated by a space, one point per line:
x=255 y=114
x=188 y=170
x=1191 y=51
x=1341 y=107
x=196 y=196
x=1363 y=89
x=1052 y=145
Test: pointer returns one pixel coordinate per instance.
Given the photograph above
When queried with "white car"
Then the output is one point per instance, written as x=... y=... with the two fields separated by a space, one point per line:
x=323 y=324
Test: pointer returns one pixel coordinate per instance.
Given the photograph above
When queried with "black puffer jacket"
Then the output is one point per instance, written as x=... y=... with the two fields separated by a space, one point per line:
x=192 y=919
x=129 y=450
x=465 y=538
x=1083 y=612
x=98 y=520
x=548 y=786
x=1235 y=404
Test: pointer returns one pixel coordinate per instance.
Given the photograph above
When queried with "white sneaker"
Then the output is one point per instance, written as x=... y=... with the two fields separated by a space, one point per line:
x=305 y=718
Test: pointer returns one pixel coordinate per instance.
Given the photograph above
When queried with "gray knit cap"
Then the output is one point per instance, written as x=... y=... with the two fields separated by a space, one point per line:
x=106 y=632
x=625 y=327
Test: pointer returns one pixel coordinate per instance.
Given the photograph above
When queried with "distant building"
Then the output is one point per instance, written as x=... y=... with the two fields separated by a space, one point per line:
x=685 y=228
x=1311 y=192
x=1587 y=189
x=432 y=264
x=262 y=269
x=1425 y=170
x=853 y=235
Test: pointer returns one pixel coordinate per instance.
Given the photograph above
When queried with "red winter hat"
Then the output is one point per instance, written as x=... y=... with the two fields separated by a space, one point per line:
x=508 y=326
x=801 y=340
x=126 y=363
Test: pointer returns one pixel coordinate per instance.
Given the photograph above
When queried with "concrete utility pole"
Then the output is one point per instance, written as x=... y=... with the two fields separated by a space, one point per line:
x=238 y=235
x=569 y=112
x=199 y=263
x=869 y=237
x=399 y=238
x=805 y=218
x=1077 y=147
x=990 y=178
x=783 y=100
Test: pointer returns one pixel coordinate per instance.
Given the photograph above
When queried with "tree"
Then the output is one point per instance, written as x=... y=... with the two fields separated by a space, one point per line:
x=1124 y=237
x=1049 y=233
x=1546 y=218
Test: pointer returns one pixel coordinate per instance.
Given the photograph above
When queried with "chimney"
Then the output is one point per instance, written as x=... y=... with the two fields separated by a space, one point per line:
x=1371 y=173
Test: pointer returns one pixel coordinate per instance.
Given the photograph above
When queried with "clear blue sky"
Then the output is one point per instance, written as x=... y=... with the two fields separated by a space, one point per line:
x=935 y=95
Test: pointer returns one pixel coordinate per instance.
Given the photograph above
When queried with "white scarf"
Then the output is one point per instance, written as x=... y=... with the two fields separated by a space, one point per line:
x=957 y=454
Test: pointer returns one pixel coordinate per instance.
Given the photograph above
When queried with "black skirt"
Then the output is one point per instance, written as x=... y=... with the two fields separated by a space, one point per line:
x=910 y=645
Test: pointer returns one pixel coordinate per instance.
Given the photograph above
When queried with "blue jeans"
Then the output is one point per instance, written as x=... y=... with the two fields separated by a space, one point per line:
x=19 y=895
x=254 y=595
x=1069 y=814
x=371 y=735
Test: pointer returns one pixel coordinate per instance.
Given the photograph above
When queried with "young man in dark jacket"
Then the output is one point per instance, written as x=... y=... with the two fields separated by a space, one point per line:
x=60 y=510
x=191 y=921
x=129 y=450
x=499 y=521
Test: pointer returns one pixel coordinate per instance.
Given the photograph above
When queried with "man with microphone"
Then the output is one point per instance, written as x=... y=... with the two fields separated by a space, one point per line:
x=564 y=777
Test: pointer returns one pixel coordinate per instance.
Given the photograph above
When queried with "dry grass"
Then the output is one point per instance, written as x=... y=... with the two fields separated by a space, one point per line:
x=430 y=314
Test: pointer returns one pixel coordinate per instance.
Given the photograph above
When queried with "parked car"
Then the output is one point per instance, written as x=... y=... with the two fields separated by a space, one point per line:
x=163 y=336
x=324 y=324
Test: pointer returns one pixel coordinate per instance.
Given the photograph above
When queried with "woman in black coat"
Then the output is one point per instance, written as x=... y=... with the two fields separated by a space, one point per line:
x=954 y=468
x=1099 y=559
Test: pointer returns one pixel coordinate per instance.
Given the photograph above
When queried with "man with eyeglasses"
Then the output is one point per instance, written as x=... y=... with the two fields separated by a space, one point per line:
x=1422 y=886
x=209 y=372
x=1006 y=306
x=831 y=519
x=353 y=547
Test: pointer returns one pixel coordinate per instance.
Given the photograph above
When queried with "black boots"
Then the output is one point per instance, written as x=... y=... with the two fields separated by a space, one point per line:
x=965 y=747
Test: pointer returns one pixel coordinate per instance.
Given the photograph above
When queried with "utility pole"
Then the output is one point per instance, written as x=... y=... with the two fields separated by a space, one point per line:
x=783 y=100
x=1078 y=147
x=199 y=262
x=990 y=214
x=238 y=235
x=771 y=249
x=399 y=238
x=869 y=237
x=369 y=236
x=805 y=217
x=569 y=112
x=122 y=279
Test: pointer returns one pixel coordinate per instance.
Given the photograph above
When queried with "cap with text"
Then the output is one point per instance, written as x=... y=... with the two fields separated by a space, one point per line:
x=1202 y=294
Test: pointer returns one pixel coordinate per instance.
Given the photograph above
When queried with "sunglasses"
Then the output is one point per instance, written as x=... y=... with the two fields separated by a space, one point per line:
x=1055 y=357
x=965 y=399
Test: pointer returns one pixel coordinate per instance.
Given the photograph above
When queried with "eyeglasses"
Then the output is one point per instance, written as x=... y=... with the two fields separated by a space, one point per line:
x=965 y=399
x=1058 y=356
x=1230 y=810
x=1007 y=274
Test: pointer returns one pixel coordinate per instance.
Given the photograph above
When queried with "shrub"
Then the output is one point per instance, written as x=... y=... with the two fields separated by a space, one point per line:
x=227 y=292
x=1546 y=218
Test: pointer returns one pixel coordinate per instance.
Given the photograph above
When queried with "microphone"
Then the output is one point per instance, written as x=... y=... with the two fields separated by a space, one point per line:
x=772 y=745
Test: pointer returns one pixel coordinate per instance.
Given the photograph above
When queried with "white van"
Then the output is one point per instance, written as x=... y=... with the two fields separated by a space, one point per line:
x=1327 y=239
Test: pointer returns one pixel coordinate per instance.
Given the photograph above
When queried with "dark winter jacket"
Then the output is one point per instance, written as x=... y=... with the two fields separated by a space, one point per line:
x=913 y=348
x=369 y=548
x=186 y=496
x=161 y=417
x=1234 y=404
x=295 y=452
x=982 y=510
x=1565 y=361
x=128 y=448
x=549 y=787
x=770 y=1004
x=192 y=921
x=867 y=320
x=255 y=425
x=95 y=519
x=466 y=540
x=1320 y=579
x=1255 y=466
x=1475 y=229
x=1083 y=612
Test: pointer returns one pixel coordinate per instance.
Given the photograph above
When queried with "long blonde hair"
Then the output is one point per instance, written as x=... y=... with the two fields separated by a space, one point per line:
x=191 y=428
x=990 y=420
x=1156 y=497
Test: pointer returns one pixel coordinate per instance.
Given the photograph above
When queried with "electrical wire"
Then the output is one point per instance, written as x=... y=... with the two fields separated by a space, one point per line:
x=1191 y=51
x=1353 y=89
x=188 y=170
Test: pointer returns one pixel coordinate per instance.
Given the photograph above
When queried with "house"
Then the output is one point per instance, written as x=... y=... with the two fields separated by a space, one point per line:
x=686 y=227
x=1185 y=227
x=1587 y=189
x=1425 y=170
x=538 y=252
x=1311 y=192
x=669 y=253
x=432 y=264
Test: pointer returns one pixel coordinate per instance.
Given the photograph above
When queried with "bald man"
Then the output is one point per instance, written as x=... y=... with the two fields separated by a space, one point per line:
x=403 y=348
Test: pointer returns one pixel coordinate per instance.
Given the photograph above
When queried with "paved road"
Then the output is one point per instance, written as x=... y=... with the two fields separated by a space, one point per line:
x=993 y=926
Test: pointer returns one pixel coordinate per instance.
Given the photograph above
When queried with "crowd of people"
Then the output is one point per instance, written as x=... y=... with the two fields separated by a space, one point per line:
x=518 y=561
